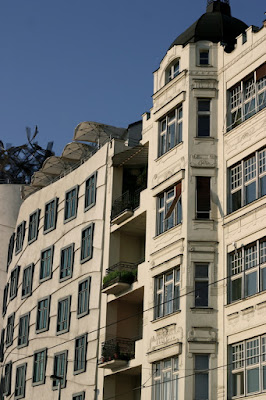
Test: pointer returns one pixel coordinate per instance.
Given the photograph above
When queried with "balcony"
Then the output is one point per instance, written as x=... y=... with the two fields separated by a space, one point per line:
x=124 y=206
x=117 y=352
x=120 y=277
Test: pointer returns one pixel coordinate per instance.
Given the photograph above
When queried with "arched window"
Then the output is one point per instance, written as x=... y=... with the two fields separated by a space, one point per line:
x=172 y=71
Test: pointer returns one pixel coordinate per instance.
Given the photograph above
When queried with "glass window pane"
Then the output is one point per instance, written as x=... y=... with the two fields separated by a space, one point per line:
x=251 y=283
x=236 y=285
x=201 y=294
x=203 y=125
x=236 y=200
x=201 y=387
x=204 y=105
x=201 y=271
x=264 y=377
x=253 y=380
x=250 y=192
x=263 y=186
x=238 y=384
x=201 y=362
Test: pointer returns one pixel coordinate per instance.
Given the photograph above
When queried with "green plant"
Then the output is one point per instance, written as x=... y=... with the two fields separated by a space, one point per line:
x=120 y=276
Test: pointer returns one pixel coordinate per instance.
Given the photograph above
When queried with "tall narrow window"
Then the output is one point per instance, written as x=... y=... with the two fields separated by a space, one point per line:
x=60 y=369
x=33 y=226
x=66 y=262
x=204 y=57
x=71 y=204
x=42 y=320
x=86 y=243
x=169 y=209
x=204 y=113
x=201 y=285
x=63 y=315
x=27 y=281
x=165 y=379
x=80 y=354
x=2 y=345
x=10 y=330
x=172 y=71
x=167 y=293
x=50 y=214
x=23 y=330
x=203 y=198
x=90 y=191
x=46 y=263
x=5 y=297
x=83 y=297
x=20 y=382
x=201 y=377
x=14 y=282
x=10 y=249
x=20 y=236
x=39 y=367
x=170 y=130
x=7 y=379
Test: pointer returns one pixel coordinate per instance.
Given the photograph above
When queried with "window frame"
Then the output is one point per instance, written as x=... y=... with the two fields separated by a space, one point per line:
x=23 y=378
x=164 y=134
x=204 y=280
x=11 y=246
x=13 y=287
x=67 y=202
x=78 y=396
x=35 y=226
x=67 y=321
x=90 y=199
x=44 y=361
x=26 y=332
x=160 y=292
x=84 y=354
x=64 y=380
x=20 y=235
x=5 y=299
x=171 y=72
x=87 y=310
x=82 y=246
x=158 y=379
x=164 y=204
x=52 y=225
x=30 y=268
x=7 y=379
x=49 y=276
x=198 y=372
x=205 y=113
x=70 y=267
x=10 y=330
x=2 y=344
x=46 y=328
x=204 y=51
x=200 y=199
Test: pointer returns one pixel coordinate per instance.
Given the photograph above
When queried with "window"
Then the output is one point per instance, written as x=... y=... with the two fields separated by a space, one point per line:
x=83 y=297
x=46 y=263
x=33 y=226
x=66 y=262
x=247 y=97
x=167 y=293
x=10 y=330
x=13 y=290
x=90 y=191
x=203 y=197
x=5 y=297
x=86 y=243
x=2 y=345
x=201 y=367
x=165 y=379
x=50 y=214
x=247 y=270
x=23 y=330
x=27 y=281
x=172 y=71
x=43 y=310
x=247 y=180
x=170 y=130
x=204 y=57
x=10 y=249
x=63 y=315
x=60 y=369
x=71 y=204
x=169 y=209
x=7 y=379
x=39 y=367
x=80 y=354
x=248 y=366
x=201 y=285
x=79 y=396
x=20 y=237
x=204 y=114
x=20 y=381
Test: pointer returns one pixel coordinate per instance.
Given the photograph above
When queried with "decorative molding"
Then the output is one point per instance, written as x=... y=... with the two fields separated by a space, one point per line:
x=203 y=160
x=202 y=334
x=165 y=336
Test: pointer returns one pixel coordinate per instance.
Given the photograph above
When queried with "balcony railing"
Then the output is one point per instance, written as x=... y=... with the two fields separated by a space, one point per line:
x=118 y=349
x=127 y=202
x=121 y=272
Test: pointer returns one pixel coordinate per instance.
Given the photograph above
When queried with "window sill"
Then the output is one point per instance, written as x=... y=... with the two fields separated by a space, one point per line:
x=70 y=218
x=202 y=310
x=204 y=139
x=166 y=316
x=168 y=230
x=32 y=240
x=48 y=230
x=80 y=371
x=168 y=151
x=89 y=207
x=243 y=210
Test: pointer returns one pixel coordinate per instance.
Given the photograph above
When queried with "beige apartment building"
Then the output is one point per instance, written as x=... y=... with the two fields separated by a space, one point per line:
x=138 y=265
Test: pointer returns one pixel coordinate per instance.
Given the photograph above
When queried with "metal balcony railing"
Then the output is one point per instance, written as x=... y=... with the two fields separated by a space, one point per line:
x=127 y=202
x=118 y=349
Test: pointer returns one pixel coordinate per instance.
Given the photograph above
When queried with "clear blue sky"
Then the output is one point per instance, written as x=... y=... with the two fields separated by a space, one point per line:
x=67 y=61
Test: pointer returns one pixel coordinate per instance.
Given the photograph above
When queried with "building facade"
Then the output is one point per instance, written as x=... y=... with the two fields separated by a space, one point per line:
x=138 y=266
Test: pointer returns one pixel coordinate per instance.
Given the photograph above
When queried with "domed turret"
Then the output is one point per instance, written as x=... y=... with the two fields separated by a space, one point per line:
x=216 y=25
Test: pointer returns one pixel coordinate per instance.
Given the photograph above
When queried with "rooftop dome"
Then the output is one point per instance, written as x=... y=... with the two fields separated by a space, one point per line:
x=216 y=25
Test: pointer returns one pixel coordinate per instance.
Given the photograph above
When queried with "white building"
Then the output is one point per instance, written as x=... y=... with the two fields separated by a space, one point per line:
x=166 y=236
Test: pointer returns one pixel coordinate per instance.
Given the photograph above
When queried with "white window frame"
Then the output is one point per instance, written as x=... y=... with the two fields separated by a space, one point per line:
x=205 y=113
x=172 y=119
x=164 y=202
x=199 y=372
x=172 y=70
x=162 y=283
x=164 y=373
x=203 y=279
